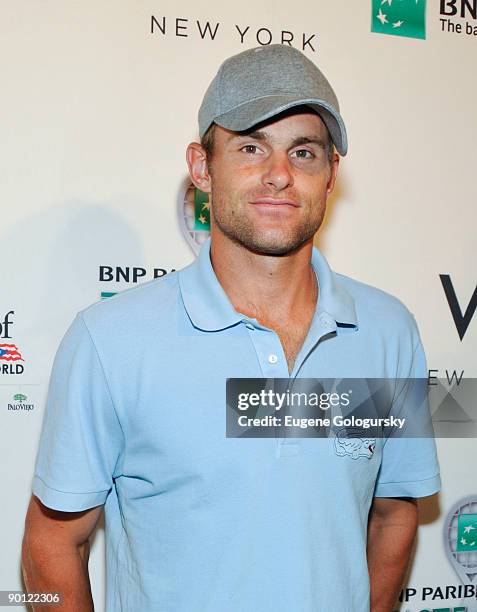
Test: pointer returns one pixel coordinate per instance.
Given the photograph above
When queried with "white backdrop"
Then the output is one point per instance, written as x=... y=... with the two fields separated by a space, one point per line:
x=96 y=113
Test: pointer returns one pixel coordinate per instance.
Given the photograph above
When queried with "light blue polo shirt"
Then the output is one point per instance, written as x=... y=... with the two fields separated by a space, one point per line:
x=196 y=521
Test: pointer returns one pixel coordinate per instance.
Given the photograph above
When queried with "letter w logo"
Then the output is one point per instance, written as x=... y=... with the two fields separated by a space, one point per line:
x=462 y=321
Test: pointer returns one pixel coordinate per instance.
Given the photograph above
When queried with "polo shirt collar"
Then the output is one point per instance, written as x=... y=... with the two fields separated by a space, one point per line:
x=333 y=297
x=209 y=308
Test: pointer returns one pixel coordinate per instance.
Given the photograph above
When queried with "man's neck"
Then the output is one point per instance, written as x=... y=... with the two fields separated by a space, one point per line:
x=266 y=287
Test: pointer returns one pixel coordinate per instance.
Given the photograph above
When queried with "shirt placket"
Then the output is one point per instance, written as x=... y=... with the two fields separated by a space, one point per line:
x=273 y=364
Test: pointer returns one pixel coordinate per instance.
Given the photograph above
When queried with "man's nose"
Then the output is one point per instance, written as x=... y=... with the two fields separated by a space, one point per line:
x=278 y=171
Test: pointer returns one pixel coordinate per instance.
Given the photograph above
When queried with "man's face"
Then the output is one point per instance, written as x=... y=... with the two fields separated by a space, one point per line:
x=269 y=186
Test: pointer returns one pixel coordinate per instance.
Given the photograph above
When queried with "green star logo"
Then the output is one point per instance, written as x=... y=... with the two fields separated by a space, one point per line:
x=194 y=207
x=399 y=17
x=466 y=533
x=201 y=210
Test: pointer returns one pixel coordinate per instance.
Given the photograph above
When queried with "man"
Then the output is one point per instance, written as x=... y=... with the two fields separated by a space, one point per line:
x=197 y=521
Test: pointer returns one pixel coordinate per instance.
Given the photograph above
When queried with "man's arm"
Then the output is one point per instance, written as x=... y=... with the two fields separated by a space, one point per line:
x=392 y=529
x=55 y=554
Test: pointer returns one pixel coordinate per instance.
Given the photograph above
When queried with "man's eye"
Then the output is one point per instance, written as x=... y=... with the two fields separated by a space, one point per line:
x=249 y=148
x=303 y=154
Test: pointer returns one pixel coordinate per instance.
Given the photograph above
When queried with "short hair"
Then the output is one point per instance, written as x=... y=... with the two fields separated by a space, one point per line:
x=207 y=142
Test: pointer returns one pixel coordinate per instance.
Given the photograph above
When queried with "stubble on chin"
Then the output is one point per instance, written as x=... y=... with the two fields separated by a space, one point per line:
x=241 y=230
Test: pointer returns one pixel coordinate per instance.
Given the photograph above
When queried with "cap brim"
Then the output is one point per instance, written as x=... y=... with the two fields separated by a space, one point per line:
x=249 y=114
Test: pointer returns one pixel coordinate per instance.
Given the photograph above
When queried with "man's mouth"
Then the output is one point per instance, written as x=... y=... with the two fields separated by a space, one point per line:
x=269 y=201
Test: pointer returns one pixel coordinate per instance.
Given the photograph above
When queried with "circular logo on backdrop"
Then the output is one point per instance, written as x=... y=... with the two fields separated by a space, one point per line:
x=460 y=538
x=194 y=215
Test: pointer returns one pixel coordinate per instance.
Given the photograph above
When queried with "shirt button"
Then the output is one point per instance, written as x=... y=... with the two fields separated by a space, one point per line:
x=272 y=358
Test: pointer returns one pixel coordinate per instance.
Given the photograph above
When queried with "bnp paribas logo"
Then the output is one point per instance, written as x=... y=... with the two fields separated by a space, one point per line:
x=467 y=533
x=194 y=215
x=460 y=538
x=399 y=17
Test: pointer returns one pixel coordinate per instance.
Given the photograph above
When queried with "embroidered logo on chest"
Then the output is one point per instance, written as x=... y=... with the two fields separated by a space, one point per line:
x=350 y=444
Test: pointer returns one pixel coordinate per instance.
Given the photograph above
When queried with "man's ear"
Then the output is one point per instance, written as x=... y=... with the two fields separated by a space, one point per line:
x=198 y=168
x=333 y=172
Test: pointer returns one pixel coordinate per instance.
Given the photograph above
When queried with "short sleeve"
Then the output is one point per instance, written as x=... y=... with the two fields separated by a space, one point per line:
x=81 y=436
x=409 y=465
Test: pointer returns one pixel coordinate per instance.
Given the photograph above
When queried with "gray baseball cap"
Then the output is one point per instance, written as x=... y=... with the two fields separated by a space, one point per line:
x=262 y=82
